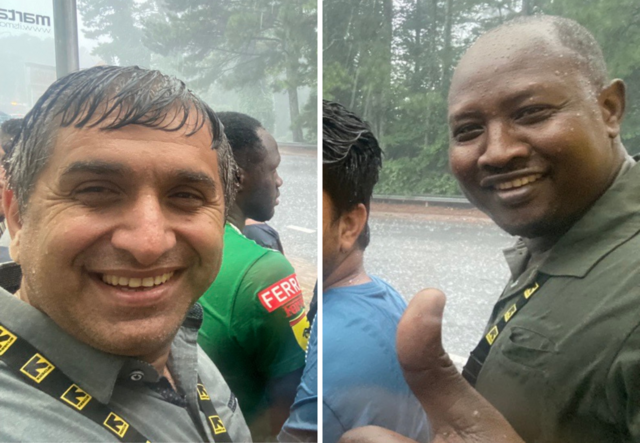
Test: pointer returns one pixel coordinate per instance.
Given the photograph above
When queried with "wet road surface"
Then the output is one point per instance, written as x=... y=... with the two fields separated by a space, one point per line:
x=462 y=258
x=297 y=214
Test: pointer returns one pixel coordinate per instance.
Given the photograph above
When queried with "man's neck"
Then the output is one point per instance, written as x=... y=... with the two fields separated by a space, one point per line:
x=159 y=361
x=236 y=217
x=349 y=272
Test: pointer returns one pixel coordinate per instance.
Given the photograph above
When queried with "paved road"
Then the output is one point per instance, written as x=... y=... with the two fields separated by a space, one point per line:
x=297 y=214
x=462 y=258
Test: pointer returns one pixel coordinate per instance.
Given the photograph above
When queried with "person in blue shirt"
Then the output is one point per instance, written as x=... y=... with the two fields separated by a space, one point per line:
x=302 y=424
x=362 y=379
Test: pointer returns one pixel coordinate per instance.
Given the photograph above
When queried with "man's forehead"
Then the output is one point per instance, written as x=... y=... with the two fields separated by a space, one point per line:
x=188 y=134
x=518 y=49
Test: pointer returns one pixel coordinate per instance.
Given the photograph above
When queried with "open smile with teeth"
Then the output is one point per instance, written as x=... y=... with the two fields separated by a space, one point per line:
x=126 y=282
x=518 y=182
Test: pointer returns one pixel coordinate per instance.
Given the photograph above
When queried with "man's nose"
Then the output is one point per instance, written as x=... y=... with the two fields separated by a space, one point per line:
x=145 y=232
x=503 y=145
x=279 y=181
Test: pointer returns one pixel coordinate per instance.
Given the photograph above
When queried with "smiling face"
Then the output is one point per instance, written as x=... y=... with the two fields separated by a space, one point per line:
x=122 y=233
x=532 y=141
x=259 y=193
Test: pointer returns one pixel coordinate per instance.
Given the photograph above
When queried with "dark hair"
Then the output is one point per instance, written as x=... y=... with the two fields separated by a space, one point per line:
x=574 y=37
x=241 y=131
x=110 y=97
x=351 y=160
x=8 y=132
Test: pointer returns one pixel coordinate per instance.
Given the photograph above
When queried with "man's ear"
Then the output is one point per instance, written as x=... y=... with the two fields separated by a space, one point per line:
x=14 y=223
x=612 y=103
x=241 y=177
x=352 y=223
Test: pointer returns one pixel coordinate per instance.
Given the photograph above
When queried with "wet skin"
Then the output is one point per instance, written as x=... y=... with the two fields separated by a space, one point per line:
x=532 y=139
x=260 y=183
x=111 y=209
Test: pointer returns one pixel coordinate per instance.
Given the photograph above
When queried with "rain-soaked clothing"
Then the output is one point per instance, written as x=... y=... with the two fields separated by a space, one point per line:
x=566 y=368
x=255 y=327
x=137 y=396
x=362 y=379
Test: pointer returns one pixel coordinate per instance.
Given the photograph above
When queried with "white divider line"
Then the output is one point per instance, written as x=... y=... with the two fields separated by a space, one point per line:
x=298 y=228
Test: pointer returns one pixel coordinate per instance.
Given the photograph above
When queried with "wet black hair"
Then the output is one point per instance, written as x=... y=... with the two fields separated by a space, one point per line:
x=351 y=161
x=110 y=97
x=242 y=132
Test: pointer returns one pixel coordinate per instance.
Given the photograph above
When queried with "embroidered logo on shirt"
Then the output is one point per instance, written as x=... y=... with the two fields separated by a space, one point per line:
x=294 y=307
x=216 y=424
x=6 y=340
x=301 y=329
x=116 y=424
x=37 y=368
x=233 y=402
x=280 y=293
x=76 y=397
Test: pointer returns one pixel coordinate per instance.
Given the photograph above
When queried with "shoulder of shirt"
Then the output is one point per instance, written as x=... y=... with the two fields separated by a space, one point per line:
x=272 y=261
x=381 y=291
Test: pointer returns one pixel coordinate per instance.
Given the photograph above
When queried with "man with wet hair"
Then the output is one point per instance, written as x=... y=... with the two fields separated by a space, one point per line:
x=255 y=326
x=118 y=188
x=362 y=380
x=9 y=130
x=535 y=143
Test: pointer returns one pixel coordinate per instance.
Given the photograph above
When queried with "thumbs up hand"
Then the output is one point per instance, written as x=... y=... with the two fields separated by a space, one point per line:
x=457 y=413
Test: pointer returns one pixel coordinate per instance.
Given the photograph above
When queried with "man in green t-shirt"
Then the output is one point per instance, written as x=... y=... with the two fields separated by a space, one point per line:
x=255 y=327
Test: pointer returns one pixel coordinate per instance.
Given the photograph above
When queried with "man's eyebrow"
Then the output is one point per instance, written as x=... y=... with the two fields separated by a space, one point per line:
x=511 y=100
x=97 y=167
x=188 y=176
x=463 y=115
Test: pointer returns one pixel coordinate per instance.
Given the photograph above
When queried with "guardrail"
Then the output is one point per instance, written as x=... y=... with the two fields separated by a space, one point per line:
x=425 y=200
x=296 y=145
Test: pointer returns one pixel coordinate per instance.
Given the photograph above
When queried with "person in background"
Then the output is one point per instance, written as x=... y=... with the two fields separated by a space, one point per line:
x=9 y=130
x=255 y=326
x=362 y=379
x=263 y=234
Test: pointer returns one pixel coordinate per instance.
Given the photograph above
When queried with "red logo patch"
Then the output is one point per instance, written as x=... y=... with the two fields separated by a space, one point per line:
x=280 y=293
x=294 y=307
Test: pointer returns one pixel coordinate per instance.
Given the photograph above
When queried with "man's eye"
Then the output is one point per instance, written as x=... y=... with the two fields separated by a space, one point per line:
x=94 y=190
x=533 y=114
x=96 y=195
x=467 y=132
x=187 y=199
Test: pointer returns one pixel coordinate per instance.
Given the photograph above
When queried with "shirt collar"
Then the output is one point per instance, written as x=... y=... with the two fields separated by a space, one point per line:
x=612 y=220
x=93 y=370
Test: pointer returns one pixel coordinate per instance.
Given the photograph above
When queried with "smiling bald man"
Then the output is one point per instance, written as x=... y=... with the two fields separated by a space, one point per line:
x=535 y=143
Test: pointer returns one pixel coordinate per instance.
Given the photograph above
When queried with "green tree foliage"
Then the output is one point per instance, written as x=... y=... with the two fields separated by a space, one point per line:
x=392 y=64
x=116 y=25
x=241 y=44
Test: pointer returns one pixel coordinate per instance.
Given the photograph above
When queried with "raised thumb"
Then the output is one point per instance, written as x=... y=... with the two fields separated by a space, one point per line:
x=455 y=410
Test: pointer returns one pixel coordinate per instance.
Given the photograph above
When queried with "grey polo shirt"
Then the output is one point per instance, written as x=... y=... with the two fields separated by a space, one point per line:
x=27 y=414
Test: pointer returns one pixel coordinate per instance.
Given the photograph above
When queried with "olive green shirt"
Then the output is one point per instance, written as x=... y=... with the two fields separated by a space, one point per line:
x=566 y=368
x=29 y=415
